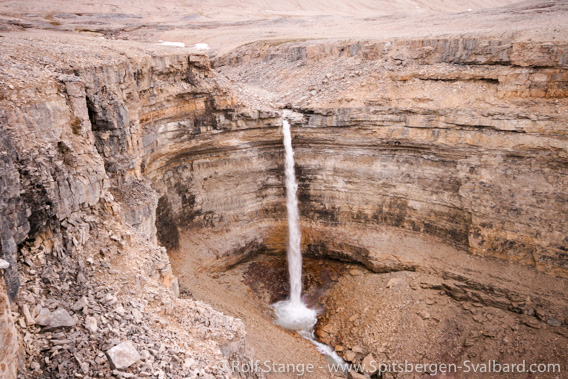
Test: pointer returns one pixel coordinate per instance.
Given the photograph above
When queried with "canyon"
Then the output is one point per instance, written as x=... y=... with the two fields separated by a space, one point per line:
x=144 y=207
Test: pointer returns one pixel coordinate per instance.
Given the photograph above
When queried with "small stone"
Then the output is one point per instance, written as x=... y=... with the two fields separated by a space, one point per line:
x=531 y=322
x=355 y=375
x=43 y=317
x=425 y=315
x=369 y=365
x=4 y=264
x=80 y=304
x=349 y=356
x=429 y=301
x=109 y=299
x=123 y=355
x=100 y=360
x=478 y=318
x=91 y=324
x=120 y=310
x=357 y=349
x=27 y=315
x=137 y=315
x=123 y=374
x=551 y=321
x=393 y=282
x=145 y=355
x=188 y=363
x=469 y=342
x=85 y=367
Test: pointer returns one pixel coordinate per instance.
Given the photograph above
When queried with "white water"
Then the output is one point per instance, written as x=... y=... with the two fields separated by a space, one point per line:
x=293 y=313
x=294 y=234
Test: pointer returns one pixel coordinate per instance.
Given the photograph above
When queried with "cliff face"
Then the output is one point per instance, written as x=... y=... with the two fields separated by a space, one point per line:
x=381 y=142
x=461 y=141
x=78 y=130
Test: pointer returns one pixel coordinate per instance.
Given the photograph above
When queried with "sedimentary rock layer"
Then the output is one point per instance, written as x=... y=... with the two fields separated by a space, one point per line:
x=73 y=133
x=463 y=139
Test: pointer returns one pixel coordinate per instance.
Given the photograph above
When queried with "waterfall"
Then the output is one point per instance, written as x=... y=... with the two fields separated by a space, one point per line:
x=293 y=313
x=294 y=234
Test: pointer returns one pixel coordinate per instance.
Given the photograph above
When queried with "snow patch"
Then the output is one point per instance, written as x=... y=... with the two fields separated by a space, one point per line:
x=174 y=44
x=202 y=46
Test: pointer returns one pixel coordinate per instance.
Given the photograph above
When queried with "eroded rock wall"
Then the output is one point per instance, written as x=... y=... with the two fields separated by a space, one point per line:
x=79 y=214
x=462 y=139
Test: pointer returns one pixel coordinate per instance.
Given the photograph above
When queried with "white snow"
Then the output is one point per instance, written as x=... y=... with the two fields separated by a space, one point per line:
x=175 y=44
x=202 y=46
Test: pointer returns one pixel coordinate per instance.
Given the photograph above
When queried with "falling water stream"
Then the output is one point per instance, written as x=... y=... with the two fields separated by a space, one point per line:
x=293 y=312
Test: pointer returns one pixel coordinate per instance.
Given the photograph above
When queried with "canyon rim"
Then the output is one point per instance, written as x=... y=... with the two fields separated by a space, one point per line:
x=143 y=203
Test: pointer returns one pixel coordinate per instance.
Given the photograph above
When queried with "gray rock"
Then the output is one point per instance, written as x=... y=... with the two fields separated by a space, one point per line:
x=91 y=324
x=123 y=355
x=59 y=318
x=145 y=355
x=81 y=303
x=43 y=317
x=137 y=315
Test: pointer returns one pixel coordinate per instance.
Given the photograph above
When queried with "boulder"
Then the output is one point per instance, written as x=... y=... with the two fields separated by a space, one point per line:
x=123 y=355
x=59 y=318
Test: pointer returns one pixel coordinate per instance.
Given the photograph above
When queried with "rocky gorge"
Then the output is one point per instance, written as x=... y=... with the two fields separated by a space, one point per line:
x=141 y=183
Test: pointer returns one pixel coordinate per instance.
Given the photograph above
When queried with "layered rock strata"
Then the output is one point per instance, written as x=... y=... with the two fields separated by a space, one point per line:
x=79 y=215
x=458 y=140
x=462 y=139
